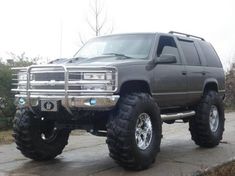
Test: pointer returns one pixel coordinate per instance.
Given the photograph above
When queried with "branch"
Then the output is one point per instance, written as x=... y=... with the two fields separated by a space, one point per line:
x=90 y=25
x=103 y=23
x=81 y=39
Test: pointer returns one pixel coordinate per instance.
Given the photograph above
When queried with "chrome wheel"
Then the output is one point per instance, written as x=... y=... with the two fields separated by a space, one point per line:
x=49 y=135
x=48 y=130
x=143 y=131
x=214 y=118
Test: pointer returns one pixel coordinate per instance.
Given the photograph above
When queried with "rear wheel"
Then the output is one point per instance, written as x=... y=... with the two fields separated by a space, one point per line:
x=208 y=125
x=37 y=138
x=134 y=131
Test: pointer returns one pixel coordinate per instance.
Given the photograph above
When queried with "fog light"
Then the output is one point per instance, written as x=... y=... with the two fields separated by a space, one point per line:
x=21 y=101
x=92 y=101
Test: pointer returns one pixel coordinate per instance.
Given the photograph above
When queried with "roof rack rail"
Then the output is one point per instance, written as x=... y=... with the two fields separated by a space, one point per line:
x=187 y=35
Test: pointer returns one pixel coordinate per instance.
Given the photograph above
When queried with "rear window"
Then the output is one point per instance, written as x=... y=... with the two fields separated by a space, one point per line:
x=211 y=56
x=190 y=53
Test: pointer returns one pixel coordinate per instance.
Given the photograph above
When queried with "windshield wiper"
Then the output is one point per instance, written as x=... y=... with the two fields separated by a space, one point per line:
x=119 y=55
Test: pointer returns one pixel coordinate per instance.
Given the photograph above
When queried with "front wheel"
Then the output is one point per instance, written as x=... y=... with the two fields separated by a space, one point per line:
x=37 y=138
x=208 y=125
x=134 y=131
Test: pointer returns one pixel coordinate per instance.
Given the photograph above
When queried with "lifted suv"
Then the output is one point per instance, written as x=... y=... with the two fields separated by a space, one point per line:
x=123 y=87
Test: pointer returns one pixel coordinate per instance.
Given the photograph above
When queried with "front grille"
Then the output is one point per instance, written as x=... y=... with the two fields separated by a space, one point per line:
x=55 y=76
x=49 y=76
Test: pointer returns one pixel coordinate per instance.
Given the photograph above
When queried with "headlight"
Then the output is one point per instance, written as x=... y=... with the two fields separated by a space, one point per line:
x=22 y=79
x=106 y=81
x=97 y=87
x=22 y=76
x=94 y=76
x=93 y=87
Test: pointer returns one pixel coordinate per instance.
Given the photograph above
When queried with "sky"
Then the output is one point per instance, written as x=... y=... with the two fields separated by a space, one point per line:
x=51 y=28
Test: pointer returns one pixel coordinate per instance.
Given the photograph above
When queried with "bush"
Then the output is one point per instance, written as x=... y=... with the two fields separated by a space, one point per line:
x=230 y=88
x=7 y=107
x=5 y=123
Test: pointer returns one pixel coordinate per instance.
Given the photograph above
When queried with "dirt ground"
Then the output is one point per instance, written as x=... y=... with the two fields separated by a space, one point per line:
x=227 y=169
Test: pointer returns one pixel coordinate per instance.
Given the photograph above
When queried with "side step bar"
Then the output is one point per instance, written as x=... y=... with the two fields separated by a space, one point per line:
x=176 y=116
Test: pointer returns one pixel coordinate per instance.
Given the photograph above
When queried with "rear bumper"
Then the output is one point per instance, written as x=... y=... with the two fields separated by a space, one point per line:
x=103 y=102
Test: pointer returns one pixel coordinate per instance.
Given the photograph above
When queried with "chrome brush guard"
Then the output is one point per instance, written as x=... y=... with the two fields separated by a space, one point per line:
x=68 y=85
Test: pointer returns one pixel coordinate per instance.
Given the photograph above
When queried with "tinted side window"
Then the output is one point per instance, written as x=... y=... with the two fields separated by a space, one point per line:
x=190 y=52
x=167 y=45
x=212 y=58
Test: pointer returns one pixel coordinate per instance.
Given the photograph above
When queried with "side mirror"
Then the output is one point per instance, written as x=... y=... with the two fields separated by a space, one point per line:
x=165 y=59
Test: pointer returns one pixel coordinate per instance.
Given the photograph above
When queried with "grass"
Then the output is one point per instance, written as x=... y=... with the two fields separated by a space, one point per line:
x=229 y=109
x=6 y=137
x=227 y=169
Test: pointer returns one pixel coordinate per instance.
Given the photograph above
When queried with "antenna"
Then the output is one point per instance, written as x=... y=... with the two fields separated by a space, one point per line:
x=61 y=37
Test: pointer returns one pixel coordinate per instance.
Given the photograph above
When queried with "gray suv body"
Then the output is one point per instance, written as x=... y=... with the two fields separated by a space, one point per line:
x=123 y=87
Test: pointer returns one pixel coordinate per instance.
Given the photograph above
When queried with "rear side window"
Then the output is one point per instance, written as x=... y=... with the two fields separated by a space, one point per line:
x=190 y=52
x=212 y=58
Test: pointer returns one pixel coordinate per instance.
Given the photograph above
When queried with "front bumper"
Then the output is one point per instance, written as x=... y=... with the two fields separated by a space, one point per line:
x=103 y=102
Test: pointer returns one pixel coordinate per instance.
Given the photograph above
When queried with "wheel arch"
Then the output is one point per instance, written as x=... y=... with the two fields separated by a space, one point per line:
x=210 y=84
x=135 y=86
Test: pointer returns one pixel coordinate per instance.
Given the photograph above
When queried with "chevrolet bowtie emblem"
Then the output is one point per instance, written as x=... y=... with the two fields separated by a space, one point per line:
x=51 y=83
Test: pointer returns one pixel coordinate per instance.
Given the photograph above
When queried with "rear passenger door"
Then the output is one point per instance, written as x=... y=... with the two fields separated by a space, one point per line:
x=213 y=66
x=194 y=70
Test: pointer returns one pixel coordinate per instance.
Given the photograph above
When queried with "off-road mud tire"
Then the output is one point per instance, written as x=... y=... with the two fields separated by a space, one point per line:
x=28 y=138
x=121 y=131
x=199 y=125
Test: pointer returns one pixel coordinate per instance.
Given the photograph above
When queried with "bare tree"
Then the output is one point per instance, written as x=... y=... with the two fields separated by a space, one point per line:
x=97 y=20
x=97 y=10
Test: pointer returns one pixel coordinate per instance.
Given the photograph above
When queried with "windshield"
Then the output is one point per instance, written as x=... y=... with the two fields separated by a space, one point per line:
x=128 y=45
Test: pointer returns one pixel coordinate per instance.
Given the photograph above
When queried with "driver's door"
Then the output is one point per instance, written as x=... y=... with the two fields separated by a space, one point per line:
x=170 y=80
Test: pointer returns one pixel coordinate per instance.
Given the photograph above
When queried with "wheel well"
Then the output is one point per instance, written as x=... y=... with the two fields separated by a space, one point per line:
x=135 y=86
x=211 y=86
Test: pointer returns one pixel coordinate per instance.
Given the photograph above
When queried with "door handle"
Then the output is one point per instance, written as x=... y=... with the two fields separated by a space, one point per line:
x=184 y=73
x=203 y=73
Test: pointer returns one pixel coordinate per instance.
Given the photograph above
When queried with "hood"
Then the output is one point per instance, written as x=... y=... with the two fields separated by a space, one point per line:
x=98 y=61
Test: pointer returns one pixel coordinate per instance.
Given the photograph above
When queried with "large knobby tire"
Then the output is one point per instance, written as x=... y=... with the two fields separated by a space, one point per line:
x=207 y=126
x=37 y=138
x=135 y=115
